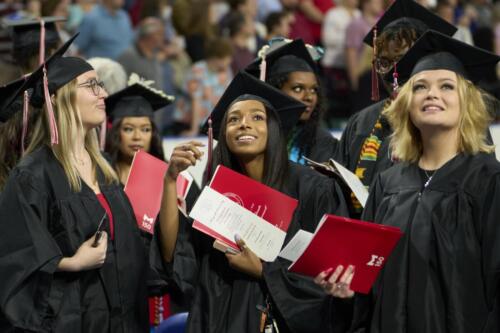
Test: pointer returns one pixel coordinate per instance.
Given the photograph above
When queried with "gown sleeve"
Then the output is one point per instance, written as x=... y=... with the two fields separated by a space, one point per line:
x=490 y=248
x=182 y=272
x=29 y=254
x=298 y=301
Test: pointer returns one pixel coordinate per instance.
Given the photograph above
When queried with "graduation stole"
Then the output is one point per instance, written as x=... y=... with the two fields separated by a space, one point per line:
x=292 y=148
x=367 y=159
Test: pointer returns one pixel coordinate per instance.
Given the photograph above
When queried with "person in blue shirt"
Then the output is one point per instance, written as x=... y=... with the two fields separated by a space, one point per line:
x=106 y=31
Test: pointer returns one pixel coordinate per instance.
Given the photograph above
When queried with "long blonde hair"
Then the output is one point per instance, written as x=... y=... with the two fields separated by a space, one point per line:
x=406 y=140
x=69 y=125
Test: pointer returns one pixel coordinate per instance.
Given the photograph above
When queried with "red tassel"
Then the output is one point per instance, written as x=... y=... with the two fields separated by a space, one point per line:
x=395 y=84
x=210 y=149
x=375 y=92
x=42 y=43
x=54 y=136
x=263 y=68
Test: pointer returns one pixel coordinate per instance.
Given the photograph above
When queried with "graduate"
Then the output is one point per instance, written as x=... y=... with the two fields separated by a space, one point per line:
x=131 y=112
x=364 y=146
x=238 y=292
x=71 y=256
x=292 y=68
x=444 y=274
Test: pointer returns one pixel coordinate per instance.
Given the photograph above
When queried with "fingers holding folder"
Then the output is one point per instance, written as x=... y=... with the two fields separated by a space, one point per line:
x=337 y=284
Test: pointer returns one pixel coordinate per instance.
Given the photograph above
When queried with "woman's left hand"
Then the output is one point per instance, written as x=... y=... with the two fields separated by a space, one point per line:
x=337 y=285
x=246 y=261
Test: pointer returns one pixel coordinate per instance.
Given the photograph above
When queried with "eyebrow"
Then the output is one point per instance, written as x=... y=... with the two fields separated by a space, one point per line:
x=252 y=110
x=439 y=80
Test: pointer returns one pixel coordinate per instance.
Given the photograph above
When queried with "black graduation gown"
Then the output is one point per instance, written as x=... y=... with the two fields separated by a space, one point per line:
x=42 y=221
x=444 y=274
x=225 y=300
x=359 y=127
x=325 y=147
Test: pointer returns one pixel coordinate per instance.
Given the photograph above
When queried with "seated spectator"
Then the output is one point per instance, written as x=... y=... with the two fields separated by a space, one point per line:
x=105 y=31
x=204 y=85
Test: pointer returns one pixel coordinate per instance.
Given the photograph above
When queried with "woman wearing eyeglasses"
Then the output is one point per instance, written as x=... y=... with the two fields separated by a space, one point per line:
x=71 y=256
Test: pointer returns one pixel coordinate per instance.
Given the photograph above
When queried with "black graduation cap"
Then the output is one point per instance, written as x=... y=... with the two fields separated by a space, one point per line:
x=137 y=100
x=288 y=109
x=409 y=12
x=60 y=71
x=285 y=56
x=435 y=50
x=26 y=33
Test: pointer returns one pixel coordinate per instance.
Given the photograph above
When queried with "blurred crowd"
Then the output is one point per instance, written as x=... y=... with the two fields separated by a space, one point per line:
x=192 y=48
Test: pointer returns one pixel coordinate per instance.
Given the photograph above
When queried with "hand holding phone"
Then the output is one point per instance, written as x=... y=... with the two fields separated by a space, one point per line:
x=100 y=229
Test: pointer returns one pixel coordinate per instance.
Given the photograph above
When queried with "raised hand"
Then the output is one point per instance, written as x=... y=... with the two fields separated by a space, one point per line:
x=183 y=156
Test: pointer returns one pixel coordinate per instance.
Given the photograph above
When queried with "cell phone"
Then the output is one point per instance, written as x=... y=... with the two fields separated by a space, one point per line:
x=100 y=229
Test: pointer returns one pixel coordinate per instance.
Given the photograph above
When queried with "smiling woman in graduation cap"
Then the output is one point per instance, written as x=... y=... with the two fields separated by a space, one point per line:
x=250 y=122
x=56 y=275
x=444 y=275
x=130 y=111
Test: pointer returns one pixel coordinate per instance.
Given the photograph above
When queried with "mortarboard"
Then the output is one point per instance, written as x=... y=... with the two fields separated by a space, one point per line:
x=283 y=56
x=26 y=34
x=46 y=80
x=410 y=12
x=60 y=71
x=137 y=100
x=288 y=109
x=435 y=50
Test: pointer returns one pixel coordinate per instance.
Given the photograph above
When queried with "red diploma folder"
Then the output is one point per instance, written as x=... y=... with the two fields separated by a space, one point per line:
x=344 y=241
x=144 y=188
x=268 y=203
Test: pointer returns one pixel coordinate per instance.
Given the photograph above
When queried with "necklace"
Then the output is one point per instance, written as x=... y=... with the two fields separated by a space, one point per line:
x=429 y=177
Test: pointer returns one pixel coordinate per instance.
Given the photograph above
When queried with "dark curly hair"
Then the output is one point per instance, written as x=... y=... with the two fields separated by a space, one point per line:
x=113 y=142
x=403 y=31
x=303 y=136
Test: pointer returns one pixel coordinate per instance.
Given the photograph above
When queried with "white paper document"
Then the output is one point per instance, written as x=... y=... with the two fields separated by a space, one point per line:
x=227 y=218
x=294 y=249
x=353 y=182
x=184 y=182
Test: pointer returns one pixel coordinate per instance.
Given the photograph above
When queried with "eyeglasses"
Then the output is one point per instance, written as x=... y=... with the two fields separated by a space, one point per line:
x=384 y=65
x=94 y=85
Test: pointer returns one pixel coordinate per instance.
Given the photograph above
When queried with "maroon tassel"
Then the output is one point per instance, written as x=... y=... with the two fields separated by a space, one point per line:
x=210 y=150
x=395 y=84
x=375 y=92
